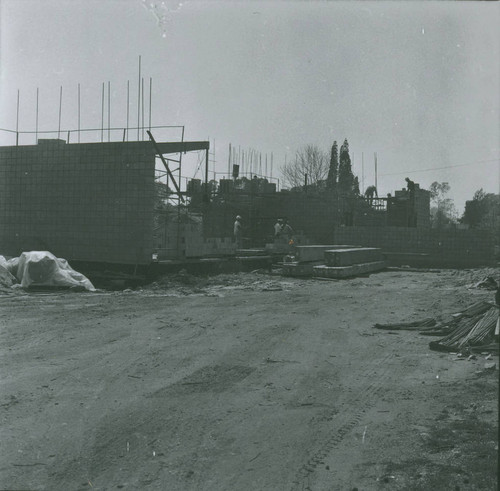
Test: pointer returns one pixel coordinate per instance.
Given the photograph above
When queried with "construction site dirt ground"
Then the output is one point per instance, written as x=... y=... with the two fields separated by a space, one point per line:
x=245 y=382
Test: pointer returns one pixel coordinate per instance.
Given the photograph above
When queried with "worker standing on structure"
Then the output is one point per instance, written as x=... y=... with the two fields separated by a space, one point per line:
x=238 y=232
x=370 y=192
x=410 y=185
x=412 y=218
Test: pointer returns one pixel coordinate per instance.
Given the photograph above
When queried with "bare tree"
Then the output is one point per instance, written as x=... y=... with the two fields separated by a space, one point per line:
x=309 y=160
x=443 y=211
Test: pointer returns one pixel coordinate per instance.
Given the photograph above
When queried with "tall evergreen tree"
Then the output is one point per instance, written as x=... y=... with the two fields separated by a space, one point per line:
x=355 y=186
x=333 y=170
x=345 y=175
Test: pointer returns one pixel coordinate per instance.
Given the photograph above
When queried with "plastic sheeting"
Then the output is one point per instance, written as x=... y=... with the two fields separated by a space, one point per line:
x=42 y=268
x=6 y=278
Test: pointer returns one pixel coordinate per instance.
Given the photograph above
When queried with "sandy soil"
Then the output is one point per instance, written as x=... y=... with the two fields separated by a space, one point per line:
x=244 y=382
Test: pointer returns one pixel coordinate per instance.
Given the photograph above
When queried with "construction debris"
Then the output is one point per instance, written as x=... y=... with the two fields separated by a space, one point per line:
x=408 y=326
x=487 y=283
x=7 y=279
x=472 y=330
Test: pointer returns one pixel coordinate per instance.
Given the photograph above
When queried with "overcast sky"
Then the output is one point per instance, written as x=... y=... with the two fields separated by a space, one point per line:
x=416 y=82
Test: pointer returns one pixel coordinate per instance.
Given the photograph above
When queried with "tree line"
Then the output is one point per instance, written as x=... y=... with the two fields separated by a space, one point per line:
x=316 y=169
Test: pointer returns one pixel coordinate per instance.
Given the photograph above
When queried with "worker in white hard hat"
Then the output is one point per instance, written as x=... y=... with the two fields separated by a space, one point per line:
x=278 y=228
x=237 y=232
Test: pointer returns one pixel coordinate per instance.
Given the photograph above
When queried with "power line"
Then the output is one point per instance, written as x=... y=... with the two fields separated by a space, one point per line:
x=441 y=168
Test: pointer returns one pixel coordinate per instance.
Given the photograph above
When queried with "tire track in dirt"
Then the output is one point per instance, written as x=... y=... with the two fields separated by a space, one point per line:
x=363 y=400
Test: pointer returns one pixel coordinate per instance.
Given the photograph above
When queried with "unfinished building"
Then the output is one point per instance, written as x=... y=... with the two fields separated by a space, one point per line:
x=103 y=203
x=91 y=202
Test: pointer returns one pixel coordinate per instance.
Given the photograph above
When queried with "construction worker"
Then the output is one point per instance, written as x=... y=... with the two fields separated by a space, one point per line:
x=370 y=192
x=237 y=232
x=286 y=230
x=410 y=185
x=278 y=228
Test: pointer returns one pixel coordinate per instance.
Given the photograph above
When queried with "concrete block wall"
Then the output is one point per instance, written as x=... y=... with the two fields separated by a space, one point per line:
x=186 y=240
x=85 y=202
x=312 y=215
x=445 y=248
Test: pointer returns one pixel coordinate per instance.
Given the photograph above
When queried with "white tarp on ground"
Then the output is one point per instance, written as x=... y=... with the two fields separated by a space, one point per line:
x=42 y=268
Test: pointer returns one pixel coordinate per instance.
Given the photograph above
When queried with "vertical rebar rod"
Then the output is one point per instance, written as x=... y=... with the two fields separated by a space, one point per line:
x=78 y=113
x=150 y=99
x=128 y=104
x=139 y=101
x=60 y=110
x=36 y=122
x=180 y=165
x=109 y=111
x=142 y=103
x=17 y=119
x=17 y=113
x=271 y=164
x=229 y=163
x=206 y=172
x=102 y=113
x=375 y=170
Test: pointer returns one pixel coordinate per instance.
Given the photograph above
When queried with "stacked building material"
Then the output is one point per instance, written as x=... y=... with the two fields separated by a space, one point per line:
x=350 y=256
x=309 y=253
x=345 y=263
x=308 y=256
x=472 y=329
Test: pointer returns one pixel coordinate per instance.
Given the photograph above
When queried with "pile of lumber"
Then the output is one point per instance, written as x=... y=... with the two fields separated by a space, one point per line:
x=473 y=329
x=408 y=326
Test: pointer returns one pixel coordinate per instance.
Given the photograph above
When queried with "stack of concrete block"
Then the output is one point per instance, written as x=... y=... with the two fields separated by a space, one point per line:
x=310 y=253
x=307 y=257
x=347 y=262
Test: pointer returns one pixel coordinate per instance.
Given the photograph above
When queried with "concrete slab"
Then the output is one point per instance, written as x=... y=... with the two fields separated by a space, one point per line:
x=316 y=252
x=348 y=271
x=299 y=269
x=351 y=256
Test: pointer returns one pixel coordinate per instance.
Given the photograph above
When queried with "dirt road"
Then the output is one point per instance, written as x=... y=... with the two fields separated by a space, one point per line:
x=248 y=382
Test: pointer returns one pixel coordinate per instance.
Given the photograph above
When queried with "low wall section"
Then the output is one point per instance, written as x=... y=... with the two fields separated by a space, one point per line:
x=429 y=247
